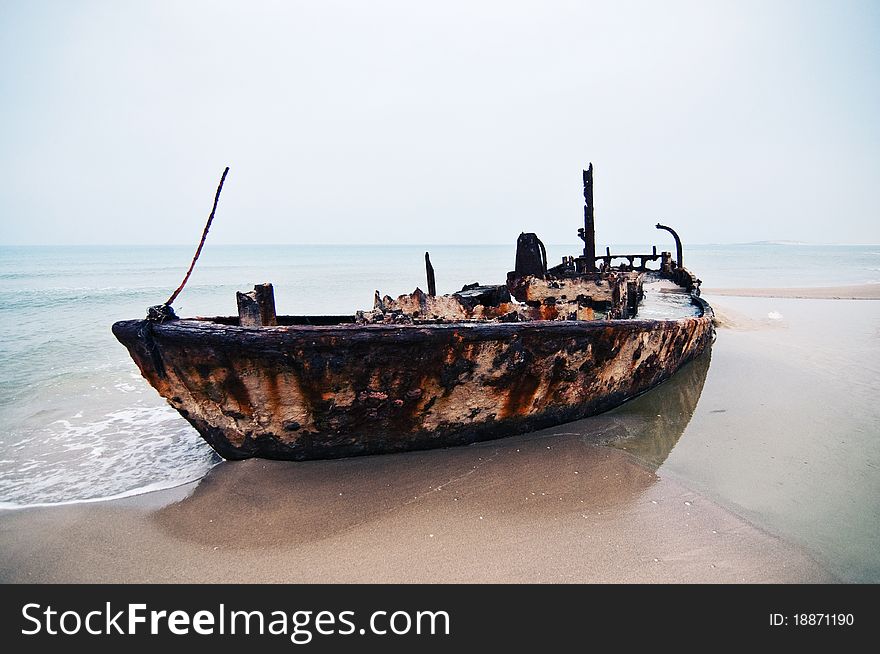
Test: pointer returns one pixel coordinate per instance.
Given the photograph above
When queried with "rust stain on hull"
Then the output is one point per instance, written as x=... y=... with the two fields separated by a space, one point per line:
x=305 y=392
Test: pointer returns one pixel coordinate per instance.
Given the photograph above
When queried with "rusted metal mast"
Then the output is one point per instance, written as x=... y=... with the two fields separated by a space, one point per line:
x=588 y=233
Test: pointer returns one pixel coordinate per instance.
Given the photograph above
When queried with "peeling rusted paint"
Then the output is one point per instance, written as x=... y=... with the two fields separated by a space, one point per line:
x=301 y=391
x=471 y=303
x=563 y=294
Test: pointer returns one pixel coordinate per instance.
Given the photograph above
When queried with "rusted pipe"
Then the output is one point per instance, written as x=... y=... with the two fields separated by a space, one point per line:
x=679 y=257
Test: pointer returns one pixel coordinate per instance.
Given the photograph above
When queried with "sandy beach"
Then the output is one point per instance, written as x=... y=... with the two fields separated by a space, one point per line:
x=694 y=481
x=540 y=508
x=851 y=292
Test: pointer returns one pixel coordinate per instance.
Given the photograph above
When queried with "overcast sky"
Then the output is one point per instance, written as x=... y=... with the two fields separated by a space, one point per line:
x=438 y=122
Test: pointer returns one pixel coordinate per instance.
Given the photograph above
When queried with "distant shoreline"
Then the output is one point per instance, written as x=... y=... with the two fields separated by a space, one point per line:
x=616 y=245
x=851 y=292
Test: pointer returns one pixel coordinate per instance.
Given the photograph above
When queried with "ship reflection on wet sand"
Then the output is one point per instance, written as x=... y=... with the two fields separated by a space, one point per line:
x=544 y=474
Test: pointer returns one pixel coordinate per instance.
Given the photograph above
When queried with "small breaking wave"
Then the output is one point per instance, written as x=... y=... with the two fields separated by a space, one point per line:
x=142 y=490
x=125 y=452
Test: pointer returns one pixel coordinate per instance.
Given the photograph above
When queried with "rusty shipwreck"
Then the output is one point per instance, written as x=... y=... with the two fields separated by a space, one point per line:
x=551 y=345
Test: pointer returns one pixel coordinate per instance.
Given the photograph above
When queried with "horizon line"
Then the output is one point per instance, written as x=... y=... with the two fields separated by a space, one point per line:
x=153 y=245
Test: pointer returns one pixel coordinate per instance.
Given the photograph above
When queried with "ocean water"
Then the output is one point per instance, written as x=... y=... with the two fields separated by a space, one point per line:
x=78 y=423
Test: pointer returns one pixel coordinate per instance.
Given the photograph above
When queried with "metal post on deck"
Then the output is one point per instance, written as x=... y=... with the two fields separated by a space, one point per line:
x=588 y=233
x=432 y=285
x=257 y=308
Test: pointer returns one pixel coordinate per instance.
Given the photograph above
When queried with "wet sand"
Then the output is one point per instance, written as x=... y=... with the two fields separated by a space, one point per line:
x=550 y=506
x=758 y=467
x=785 y=432
x=852 y=292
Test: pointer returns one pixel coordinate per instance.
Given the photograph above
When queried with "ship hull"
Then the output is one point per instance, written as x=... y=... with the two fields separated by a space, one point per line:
x=306 y=392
